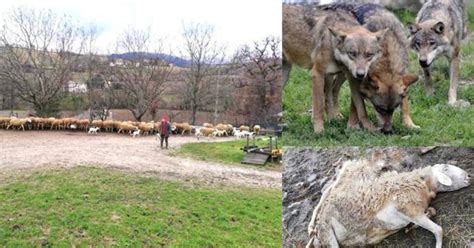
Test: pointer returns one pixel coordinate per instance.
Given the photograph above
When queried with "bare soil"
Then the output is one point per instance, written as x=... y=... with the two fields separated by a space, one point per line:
x=62 y=149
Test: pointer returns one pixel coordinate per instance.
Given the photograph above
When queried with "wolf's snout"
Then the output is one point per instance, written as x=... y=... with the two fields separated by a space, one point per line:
x=360 y=74
x=424 y=63
x=387 y=129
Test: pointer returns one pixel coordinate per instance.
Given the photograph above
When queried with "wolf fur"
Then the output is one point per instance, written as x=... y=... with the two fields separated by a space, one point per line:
x=440 y=26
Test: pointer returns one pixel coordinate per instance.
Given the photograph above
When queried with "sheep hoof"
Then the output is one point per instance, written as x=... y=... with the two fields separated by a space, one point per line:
x=430 y=212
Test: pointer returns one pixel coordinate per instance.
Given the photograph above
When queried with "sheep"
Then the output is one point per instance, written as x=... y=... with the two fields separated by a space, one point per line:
x=108 y=125
x=206 y=132
x=361 y=209
x=18 y=122
x=136 y=133
x=4 y=121
x=221 y=133
x=146 y=128
x=208 y=125
x=82 y=124
x=181 y=128
x=244 y=128
x=58 y=123
x=126 y=126
x=97 y=123
x=93 y=130
x=256 y=129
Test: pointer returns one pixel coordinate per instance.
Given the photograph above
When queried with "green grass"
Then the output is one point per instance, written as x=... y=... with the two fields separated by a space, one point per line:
x=96 y=207
x=226 y=152
x=440 y=124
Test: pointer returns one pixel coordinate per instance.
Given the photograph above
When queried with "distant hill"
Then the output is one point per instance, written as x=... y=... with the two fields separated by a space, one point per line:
x=166 y=57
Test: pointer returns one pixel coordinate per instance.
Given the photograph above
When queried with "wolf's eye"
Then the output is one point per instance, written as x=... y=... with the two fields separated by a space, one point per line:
x=431 y=42
x=417 y=43
x=369 y=55
x=352 y=54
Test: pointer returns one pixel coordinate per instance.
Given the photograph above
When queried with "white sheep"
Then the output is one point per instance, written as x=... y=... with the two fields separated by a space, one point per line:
x=136 y=133
x=361 y=209
x=93 y=130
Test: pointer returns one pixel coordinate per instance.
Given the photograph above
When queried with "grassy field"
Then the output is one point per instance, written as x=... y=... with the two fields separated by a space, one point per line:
x=225 y=152
x=440 y=123
x=96 y=207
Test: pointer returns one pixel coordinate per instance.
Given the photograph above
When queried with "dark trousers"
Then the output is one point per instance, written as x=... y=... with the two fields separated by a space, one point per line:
x=164 y=138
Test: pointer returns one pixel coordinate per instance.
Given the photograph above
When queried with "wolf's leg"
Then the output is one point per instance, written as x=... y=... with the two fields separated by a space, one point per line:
x=318 y=100
x=359 y=105
x=340 y=79
x=428 y=81
x=353 y=122
x=454 y=76
x=406 y=119
x=329 y=97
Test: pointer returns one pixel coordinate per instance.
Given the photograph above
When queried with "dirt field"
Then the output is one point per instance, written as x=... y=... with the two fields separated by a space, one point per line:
x=49 y=150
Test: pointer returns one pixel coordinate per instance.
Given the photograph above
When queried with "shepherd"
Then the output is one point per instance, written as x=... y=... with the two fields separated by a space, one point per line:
x=165 y=130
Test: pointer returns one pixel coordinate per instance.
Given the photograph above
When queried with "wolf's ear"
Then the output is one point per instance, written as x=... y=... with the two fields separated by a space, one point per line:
x=409 y=79
x=339 y=35
x=414 y=28
x=438 y=28
x=380 y=34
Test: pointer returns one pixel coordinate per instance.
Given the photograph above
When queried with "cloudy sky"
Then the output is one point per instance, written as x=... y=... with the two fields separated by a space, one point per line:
x=235 y=22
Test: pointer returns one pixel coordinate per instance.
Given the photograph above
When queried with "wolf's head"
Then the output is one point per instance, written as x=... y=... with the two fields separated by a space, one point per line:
x=428 y=40
x=357 y=49
x=386 y=91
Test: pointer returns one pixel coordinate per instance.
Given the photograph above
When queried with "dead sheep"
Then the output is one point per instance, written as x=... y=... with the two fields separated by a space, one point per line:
x=358 y=210
x=18 y=123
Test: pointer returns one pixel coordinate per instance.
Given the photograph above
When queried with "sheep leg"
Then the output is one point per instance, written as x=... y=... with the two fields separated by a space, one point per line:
x=430 y=213
x=429 y=225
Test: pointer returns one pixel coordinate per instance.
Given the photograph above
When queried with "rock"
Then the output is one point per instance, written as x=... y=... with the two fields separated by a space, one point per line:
x=312 y=165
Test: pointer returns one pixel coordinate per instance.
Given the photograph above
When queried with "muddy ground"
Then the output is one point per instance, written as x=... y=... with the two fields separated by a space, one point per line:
x=306 y=171
x=63 y=149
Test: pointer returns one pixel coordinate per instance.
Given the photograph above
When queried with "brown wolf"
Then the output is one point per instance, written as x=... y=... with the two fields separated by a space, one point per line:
x=440 y=27
x=387 y=85
x=339 y=44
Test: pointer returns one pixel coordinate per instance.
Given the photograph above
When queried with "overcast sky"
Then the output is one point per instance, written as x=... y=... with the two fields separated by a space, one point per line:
x=235 y=22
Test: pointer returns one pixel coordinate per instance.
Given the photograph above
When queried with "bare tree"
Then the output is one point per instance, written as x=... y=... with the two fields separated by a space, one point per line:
x=204 y=54
x=40 y=49
x=141 y=78
x=261 y=64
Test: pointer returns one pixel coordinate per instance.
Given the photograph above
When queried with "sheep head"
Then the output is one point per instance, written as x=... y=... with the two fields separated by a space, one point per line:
x=450 y=177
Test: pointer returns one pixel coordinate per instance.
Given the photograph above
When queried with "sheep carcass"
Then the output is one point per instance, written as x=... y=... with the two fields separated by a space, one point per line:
x=360 y=211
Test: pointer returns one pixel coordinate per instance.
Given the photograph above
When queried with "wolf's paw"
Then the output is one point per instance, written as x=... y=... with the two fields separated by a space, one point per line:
x=318 y=127
x=411 y=125
x=459 y=103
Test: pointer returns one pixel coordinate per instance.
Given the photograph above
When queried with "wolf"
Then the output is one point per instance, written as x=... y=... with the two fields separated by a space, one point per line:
x=337 y=44
x=388 y=82
x=440 y=26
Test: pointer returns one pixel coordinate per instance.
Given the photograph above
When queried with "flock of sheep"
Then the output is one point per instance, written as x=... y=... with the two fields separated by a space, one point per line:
x=127 y=127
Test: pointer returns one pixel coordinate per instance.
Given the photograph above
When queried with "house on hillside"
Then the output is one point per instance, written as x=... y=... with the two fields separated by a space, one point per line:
x=75 y=87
